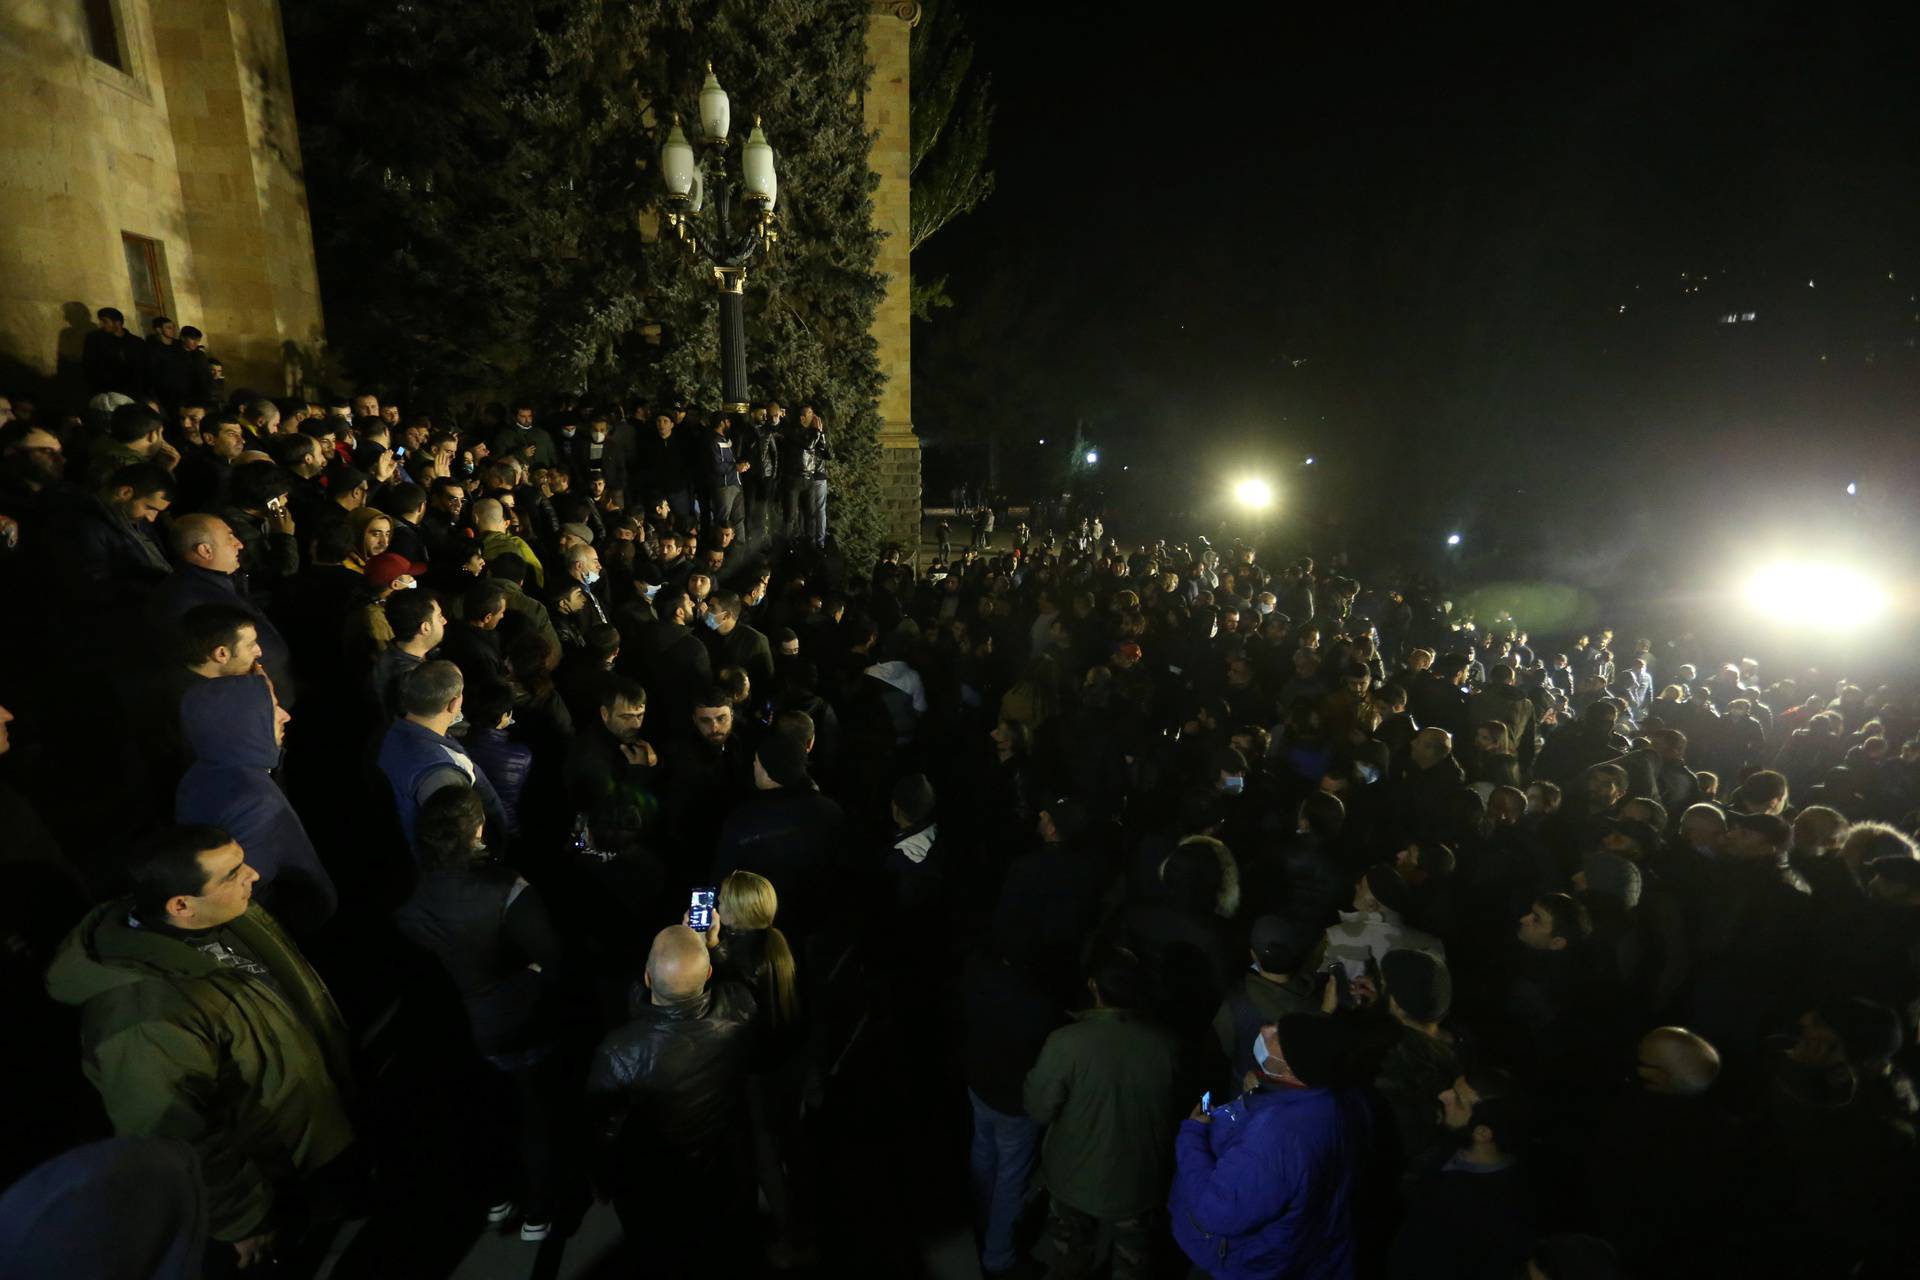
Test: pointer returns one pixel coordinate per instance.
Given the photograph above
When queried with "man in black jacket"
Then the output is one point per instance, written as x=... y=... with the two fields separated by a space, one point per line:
x=788 y=832
x=113 y=359
x=672 y=662
x=1470 y=1214
x=667 y=1098
x=661 y=463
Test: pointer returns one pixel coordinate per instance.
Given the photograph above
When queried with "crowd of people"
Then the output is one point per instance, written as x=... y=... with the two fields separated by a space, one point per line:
x=505 y=814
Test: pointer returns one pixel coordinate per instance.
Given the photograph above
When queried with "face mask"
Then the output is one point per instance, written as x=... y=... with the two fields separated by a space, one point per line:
x=1234 y=784
x=524 y=426
x=713 y=622
x=651 y=591
x=1260 y=1053
x=589 y=577
x=1264 y=607
x=598 y=436
x=567 y=432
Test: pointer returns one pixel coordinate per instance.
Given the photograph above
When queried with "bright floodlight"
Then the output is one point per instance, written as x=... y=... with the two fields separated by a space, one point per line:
x=1852 y=488
x=1825 y=597
x=1254 y=493
x=1093 y=456
x=1309 y=460
x=1453 y=539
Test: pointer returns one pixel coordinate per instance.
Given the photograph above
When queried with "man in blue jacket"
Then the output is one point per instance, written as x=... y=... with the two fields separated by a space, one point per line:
x=726 y=505
x=1265 y=1185
x=234 y=727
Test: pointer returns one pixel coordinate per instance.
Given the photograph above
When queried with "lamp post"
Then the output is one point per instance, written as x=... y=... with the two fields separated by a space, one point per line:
x=712 y=232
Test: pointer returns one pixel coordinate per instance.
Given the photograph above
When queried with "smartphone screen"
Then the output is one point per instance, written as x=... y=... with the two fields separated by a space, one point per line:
x=1206 y=1102
x=700 y=910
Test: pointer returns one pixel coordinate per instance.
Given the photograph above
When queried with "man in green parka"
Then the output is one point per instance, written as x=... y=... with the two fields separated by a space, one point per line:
x=1106 y=1087
x=200 y=1020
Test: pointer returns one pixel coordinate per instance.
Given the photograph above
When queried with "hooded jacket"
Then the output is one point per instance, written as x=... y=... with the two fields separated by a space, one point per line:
x=227 y=724
x=247 y=1072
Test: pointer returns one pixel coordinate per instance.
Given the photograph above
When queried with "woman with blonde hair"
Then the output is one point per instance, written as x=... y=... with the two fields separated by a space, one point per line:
x=750 y=950
x=753 y=952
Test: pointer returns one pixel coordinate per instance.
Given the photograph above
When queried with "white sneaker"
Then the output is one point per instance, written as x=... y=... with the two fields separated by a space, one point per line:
x=500 y=1213
x=532 y=1231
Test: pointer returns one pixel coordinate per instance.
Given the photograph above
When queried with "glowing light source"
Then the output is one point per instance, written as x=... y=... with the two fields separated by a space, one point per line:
x=1825 y=597
x=1453 y=539
x=1309 y=459
x=1852 y=488
x=1093 y=456
x=1253 y=493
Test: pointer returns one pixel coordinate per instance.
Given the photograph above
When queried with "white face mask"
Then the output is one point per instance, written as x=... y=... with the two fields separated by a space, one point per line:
x=1233 y=784
x=1260 y=1052
x=589 y=576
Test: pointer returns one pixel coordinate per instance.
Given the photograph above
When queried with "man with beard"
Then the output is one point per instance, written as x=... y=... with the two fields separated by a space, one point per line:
x=1470 y=1214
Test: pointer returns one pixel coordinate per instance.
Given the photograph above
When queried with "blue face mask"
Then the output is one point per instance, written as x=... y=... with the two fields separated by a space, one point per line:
x=651 y=591
x=713 y=622
x=589 y=576
x=1233 y=784
x=1260 y=1052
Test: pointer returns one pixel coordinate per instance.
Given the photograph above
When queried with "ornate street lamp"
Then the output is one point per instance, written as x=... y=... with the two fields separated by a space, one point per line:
x=712 y=232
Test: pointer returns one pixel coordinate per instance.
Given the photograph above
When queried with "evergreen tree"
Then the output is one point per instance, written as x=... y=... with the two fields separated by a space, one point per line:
x=952 y=115
x=483 y=179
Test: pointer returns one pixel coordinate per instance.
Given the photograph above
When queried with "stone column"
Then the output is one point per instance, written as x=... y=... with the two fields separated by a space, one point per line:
x=888 y=114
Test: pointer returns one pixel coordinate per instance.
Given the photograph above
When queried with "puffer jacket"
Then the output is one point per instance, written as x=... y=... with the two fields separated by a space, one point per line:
x=666 y=1087
x=250 y=1074
x=506 y=764
x=1267 y=1188
x=227 y=724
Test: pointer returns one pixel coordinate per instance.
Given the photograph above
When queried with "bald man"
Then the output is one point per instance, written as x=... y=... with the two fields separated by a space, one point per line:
x=1667 y=1171
x=667 y=1106
x=1677 y=1062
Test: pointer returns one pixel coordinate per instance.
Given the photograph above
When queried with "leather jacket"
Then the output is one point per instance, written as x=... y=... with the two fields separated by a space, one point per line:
x=666 y=1086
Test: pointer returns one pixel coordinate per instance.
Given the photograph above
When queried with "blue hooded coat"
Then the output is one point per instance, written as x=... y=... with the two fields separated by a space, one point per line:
x=227 y=723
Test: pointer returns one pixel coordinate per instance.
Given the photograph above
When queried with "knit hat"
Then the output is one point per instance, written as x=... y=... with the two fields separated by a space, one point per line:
x=1385 y=884
x=1611 y=876
x=1420 y=983
x=784 y=760
x=1641 y=833
x=1314 y=1048
x=1281 y=945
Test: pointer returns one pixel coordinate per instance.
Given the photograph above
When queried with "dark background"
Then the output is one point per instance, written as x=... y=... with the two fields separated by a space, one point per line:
x=1476 y=264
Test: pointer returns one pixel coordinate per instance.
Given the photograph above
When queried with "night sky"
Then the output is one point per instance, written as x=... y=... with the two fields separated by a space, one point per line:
x=1477 y=266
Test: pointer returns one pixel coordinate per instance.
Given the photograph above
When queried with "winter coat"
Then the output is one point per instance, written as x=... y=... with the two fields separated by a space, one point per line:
x=904 y=696
x=1465 y=1222
x=248 y=1072
x=227 y=724
x=1105 y=1088
x=722 y=470
x=191 y=585
x=665 y=1089
x=793 y=837
x=483 y=928
x=506 y=764
x=1266 y=1191
x=417 y=762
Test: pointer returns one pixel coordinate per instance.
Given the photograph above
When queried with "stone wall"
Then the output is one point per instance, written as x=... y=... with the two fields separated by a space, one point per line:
x=889 y=115
x=192 y=145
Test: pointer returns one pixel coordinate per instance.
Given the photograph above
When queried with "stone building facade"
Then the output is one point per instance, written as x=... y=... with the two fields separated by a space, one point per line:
x=888 y=112
x=149 y=161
